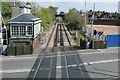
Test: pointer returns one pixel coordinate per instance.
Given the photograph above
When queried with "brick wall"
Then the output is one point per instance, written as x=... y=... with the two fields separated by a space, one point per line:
x=106 y=22
x=107 y=29
x=36 y=42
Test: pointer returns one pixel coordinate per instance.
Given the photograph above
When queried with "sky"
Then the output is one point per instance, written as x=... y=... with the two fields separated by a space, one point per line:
x=65 y=6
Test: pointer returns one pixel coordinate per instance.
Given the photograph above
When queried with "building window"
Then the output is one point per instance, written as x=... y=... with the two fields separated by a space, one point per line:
x=14 y=30
x=29 y=30
x=22 y=30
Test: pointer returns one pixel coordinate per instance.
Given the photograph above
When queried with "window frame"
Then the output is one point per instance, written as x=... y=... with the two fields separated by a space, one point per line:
x=18 y=30
x=22 y=30
x=13 y=30
x=31 y=30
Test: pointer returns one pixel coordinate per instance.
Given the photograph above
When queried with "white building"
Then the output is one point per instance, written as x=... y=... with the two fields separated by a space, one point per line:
x=3 y=36
x=3 y=33
x=25 y=28
x=25 y=9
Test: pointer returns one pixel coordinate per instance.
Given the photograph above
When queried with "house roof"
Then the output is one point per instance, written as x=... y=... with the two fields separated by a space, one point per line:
x=25 y=7
x=103 y=19
x=24 y=18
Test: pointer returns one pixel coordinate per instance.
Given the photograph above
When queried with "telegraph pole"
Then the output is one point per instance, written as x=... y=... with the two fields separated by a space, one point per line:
x=85 y=22
x=85 y=26
x=93 y=21
x=85 y=13
x=93 y=16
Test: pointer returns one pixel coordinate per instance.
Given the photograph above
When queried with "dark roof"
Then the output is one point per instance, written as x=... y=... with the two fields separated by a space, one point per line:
x=24 y=7
x=102 y=19
x=24 y=18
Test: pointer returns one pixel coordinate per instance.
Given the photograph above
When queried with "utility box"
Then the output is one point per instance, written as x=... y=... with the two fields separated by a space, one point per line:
x=99 y=44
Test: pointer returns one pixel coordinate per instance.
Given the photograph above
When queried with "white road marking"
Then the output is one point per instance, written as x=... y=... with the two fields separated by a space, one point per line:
x=90 y=53
x=97 y=53
x=100 y=50
x=105 y=61
x=58 y=70
x=15 y=71
x=83 y=50
x=58 y=67
x=90 y=63
x=13 y=58
x=58 y=55
x=72 y=65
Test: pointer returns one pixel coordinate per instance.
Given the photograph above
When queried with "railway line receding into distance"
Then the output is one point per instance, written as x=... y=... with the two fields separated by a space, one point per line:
x=47 y=64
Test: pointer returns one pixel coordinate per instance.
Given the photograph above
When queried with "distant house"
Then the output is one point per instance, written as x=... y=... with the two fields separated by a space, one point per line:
x=19 y=7
x=25 y=28
x=105 y=27
x=104 y=21
x=3 y=36
x=108 y=33
x=3 y=33
x=103 y=18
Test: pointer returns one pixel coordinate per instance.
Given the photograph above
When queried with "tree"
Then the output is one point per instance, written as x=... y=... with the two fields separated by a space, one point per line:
x=6 y=11
x=53 y=11
x=119 y=19
x=46 y=17
x=28 y=3
x=74 y=19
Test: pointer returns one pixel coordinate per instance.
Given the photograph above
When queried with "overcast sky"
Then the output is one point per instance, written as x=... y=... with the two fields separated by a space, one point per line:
x=65 y=6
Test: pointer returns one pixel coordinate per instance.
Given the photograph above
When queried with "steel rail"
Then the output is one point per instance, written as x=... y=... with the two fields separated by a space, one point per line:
x=63 y=48
x=56 y=38
x=54 y=45
x=78 y=61
x=35 y=74
x=74 y=51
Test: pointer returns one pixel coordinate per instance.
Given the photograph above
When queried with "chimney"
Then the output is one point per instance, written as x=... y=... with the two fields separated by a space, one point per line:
x=25 y=9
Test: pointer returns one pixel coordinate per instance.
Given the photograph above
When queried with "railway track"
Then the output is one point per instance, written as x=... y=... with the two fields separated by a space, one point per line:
x=75 y=56
x=46 y=64
x=40 y=60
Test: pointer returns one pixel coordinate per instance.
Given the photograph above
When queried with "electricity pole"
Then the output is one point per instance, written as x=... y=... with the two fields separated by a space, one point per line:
x=93 y=16
x=85 y=13
x=93 y=21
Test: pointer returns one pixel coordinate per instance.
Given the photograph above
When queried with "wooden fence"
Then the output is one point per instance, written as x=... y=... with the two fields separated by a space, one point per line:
x=19 y=49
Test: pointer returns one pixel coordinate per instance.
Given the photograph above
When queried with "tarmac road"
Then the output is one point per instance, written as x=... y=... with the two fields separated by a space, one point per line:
x=93 y=65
